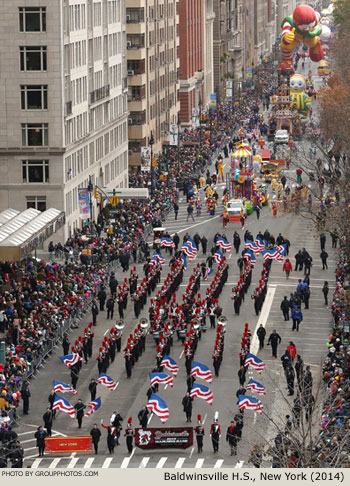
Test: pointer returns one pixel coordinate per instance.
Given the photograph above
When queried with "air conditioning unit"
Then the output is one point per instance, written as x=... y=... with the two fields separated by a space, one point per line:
x=128 y=18
x=130 y=72
x=128 y=44
x=130 y=121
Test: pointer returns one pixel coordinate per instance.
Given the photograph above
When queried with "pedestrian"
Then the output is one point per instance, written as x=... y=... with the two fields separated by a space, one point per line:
x=111 y=434
x=256 y=456
x=274 y=340
x=297 y=317
x=40 y=435
x=176 y=210
x=51 y=400
x=190 y=212
x=324 y=256
x=241 y=375
x=334 y=236
x=93 y=388
x=287 y=267
x=261 y=332
x=74 y=376
x=96 y=435
x=290 y=375
x=48 y=419
x=129 y=434
x=258 y=211
x=187 y=406
x=204 y=243
x=215 y=434
x=176 y=240
x=79 y=411
x=325 y=291
x=242 y=219
x=65 y=345
x=323 y=241
x=199 y=431
x=143 y=417
x=16 y=455
x=190 y=380
x=236 y=241
x=102 y=296
x=231 y=437
x=94 y=312
x=285 y=306
x=110 y=307
x=25 y=394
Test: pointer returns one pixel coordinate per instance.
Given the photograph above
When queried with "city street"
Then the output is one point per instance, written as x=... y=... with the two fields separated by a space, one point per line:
x=130 y=395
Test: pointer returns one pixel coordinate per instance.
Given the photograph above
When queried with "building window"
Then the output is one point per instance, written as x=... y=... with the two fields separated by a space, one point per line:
x=36 y=202
x=35 y=134
x=35 y=171
x=33 y=58
x=34 y=97
x=32 y=19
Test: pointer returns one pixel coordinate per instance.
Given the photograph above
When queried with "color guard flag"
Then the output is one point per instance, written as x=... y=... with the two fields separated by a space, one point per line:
x=259 y=243
x=250 y=403
x=272 y=254
x=158 y=406
x=107 y=381
x=71 y=359
x=218 y=256
x=188 y=251
x=169 y=364
x=208 y=271
x=202 y=371
x=223 y=243
x=184 y=260
x=58 y=386
x=254 y=362
x=282 y=249
x=257 y=387
x=62 y=405
x=251 y=246
x=162 y=378
x=154 y=261
x=202 y=391
x=159 y=258
x=164 y=241
x=192 y=245
x=249 y=255
x=93 y=406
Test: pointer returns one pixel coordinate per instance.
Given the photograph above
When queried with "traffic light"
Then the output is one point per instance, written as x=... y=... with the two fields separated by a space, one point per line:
x=96 y=194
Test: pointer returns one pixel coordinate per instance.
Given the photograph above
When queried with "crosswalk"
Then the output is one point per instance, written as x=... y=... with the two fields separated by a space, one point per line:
x=84 y=462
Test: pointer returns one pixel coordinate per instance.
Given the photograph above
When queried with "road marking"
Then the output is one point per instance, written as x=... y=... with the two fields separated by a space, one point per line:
x=263 y=317
x=107 y=462
x=150 y=418
x=106 y=332
x=239 y=464
x=192 y=451
x=144 y=462
x=88 y=462
x=26 y=433
x=182 y=352
x=36 y=463
x=28 y=440
x=125 y=462
x=180 y=462
x=161 y=462
x=198 y=224
x=205 y=418
x=29 y=449
x=218 y=463
x=199 y=463
x=72 y=462
x=55 y=462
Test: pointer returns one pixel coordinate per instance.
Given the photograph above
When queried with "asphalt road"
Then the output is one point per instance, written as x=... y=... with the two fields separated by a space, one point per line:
x=130 y=395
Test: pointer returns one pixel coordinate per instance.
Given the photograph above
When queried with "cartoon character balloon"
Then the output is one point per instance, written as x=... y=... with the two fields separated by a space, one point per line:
x=298 y=97
x=303 y=26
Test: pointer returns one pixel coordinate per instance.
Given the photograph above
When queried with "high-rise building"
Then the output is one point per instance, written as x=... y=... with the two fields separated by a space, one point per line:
x=63 y=102
x=153 y=63
x=208 y=20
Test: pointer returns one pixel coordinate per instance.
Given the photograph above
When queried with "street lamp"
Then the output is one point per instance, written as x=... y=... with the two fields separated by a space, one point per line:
x=151 y=143
x=90 y=189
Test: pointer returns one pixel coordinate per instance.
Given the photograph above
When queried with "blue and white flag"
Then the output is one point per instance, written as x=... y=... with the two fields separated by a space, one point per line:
x=70 y=359
x=256 y=386
x=163 y=378
x=107 y=381
x=159 y=258
x=259 y=243
x=282 y=249
x=250 y=403
x=58 y=386
x=223 y=243
x=62 y=405
x=202 y=391
x=192 y=245
x=93 y=406
x=218 y=256
x=272 y=254
x=164 y=241
x=249 y=255
x=169 y=364
x=201 y=370
x=254 y=362
x=184 y=260
x=208 y=271
x=158 y=406
x=252 y=246
x=188 y=251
